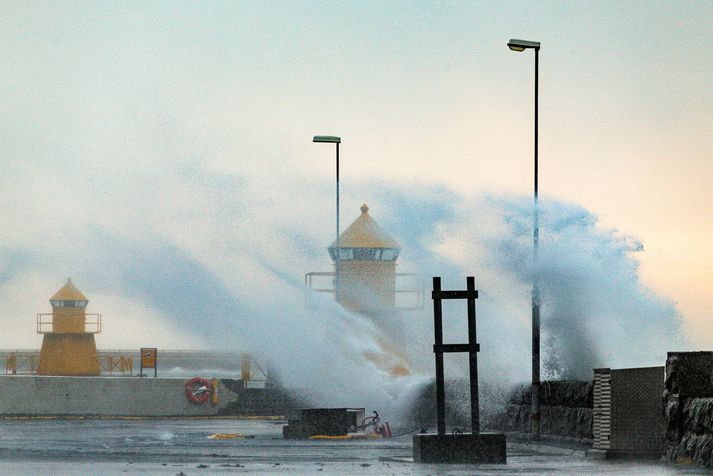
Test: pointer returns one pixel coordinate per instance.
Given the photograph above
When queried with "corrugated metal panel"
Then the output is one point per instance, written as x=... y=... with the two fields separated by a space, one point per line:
x=602 y=409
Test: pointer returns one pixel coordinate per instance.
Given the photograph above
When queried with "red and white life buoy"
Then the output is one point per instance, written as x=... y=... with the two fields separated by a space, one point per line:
x=198 y=390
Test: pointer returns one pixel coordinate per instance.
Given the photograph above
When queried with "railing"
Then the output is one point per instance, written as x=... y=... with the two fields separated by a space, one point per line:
x=45 y=324
x=116 y=363
x=121 y=362
x=250 y=372
x=22 y=362
x=408 y=298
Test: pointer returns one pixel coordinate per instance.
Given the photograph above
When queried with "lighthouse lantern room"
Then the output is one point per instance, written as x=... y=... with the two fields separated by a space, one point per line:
x=367 y=257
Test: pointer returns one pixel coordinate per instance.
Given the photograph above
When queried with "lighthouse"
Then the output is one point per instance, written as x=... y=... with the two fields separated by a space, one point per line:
x=367 y=285
x=367 y=267
x=68 y=346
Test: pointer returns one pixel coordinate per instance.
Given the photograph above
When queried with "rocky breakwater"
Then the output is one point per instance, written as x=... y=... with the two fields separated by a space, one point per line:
x=421 y=411
x=688 y=408
x=272 y=401
x=565 y=408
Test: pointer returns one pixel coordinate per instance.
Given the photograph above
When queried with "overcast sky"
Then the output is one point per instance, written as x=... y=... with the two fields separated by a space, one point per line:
x=160 y=152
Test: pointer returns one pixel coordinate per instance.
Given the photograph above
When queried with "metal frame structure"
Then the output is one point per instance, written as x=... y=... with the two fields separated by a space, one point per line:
x=472 y=348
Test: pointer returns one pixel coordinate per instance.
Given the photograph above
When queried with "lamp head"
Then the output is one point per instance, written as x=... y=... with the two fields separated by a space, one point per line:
x=327 y=139
x=522 y=45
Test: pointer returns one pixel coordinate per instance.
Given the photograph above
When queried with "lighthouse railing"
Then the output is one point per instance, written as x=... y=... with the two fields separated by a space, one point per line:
x=45 y=323
x=410 y=289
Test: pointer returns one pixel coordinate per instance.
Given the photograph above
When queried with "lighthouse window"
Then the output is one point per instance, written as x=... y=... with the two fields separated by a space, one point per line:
x=364 y=254
x=389 y=254
x=346 y=253
x=65 y=303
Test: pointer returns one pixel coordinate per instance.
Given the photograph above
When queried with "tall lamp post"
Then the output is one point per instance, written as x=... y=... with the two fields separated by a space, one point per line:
x=334 y=140
x=522 y=45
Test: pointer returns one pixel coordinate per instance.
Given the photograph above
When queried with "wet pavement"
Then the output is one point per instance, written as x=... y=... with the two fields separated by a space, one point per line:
x=182 y=447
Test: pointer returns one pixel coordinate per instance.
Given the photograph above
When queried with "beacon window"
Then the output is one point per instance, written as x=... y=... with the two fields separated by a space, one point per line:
x=388 y=255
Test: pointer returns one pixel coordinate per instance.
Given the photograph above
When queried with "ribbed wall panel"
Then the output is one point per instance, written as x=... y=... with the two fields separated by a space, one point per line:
x=602 y=409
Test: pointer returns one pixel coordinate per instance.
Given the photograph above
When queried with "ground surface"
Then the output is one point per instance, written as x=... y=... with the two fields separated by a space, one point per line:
x=182 y=447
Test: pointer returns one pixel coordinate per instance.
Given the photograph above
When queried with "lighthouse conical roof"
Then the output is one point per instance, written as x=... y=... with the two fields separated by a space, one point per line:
x=68 y=292
x=364 y=232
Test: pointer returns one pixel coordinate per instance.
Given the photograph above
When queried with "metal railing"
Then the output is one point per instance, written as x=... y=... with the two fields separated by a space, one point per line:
x=121 y=362
x=45 y=323
x=116 y=363
x=22 y=362
x=27 y=362
x=408 y=298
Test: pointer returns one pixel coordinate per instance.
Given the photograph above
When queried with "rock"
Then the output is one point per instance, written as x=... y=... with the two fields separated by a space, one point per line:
x=698 y=416
x=688 y=408
x=566 y=409
x=690 y=374
x=573 y=394
x=558 y=421
x=262 y=401
x=672 y=418
x=696 y=449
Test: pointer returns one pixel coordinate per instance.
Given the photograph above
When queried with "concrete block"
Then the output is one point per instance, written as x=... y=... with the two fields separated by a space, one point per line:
x=596 y=454
x=486 y=448
x=324 y=421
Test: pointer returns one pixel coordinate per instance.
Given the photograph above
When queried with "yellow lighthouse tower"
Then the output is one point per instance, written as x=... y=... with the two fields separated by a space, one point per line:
x=367 y=262
x=367 y=285
x=68 y=346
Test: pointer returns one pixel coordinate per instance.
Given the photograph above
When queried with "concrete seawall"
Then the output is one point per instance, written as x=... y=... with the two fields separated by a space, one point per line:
x=105 y=396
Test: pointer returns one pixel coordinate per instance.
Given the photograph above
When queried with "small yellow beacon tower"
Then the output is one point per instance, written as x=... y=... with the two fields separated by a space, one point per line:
x=68 y=346
x=367 y=262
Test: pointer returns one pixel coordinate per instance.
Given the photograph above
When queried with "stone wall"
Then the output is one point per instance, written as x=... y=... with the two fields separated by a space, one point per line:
x=565 y=408
x=688 y=408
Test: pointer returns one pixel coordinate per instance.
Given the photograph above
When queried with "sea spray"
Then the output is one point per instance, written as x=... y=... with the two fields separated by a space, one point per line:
x=243 y=291
x=595 y=309
x=595 y=313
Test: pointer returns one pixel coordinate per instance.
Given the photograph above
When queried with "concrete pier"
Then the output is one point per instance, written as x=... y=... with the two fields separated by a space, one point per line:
x=103 y=396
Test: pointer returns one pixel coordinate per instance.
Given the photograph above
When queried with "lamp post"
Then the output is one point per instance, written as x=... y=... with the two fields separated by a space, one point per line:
x=334 y=140
x=522 y=45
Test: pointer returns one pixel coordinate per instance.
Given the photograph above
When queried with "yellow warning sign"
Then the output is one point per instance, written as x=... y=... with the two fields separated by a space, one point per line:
x=148 y=358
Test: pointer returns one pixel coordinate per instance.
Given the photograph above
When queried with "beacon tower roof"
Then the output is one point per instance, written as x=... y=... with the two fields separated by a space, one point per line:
x=68 y=292
x=365 y=234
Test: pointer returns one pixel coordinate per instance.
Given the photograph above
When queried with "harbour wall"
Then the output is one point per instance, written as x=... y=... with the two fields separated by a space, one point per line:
x=565 y=406
x=34 y=395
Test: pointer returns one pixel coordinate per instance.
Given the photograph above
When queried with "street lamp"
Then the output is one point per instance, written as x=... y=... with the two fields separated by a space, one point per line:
x=522 y=45
x=334 y=140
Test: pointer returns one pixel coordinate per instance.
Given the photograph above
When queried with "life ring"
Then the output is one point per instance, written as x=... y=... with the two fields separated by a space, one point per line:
x=198 y=390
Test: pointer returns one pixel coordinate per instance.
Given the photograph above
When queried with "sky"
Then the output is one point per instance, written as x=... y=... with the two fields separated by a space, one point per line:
x=160 y=154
